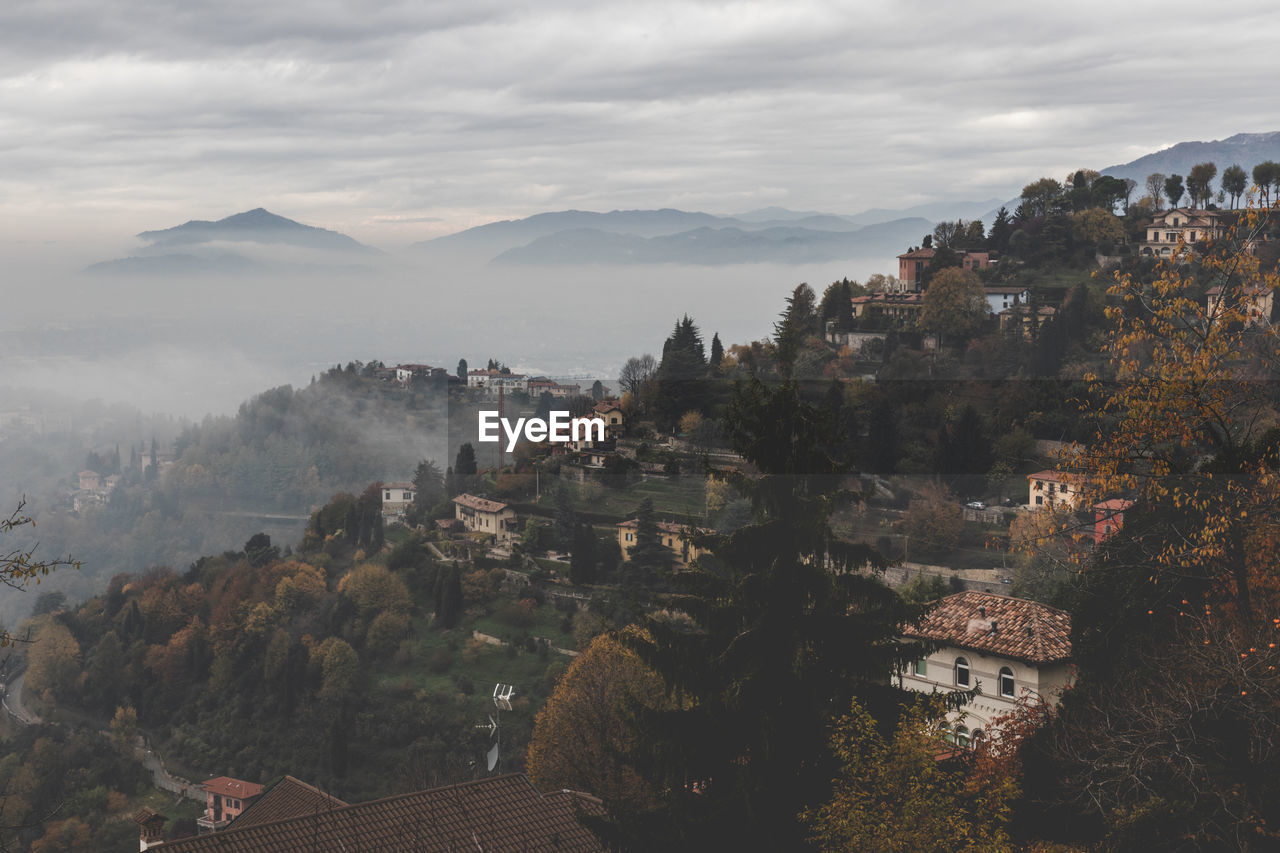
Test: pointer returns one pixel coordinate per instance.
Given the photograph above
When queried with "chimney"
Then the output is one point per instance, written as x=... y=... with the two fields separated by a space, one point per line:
x=982 y=611
x=995 y=627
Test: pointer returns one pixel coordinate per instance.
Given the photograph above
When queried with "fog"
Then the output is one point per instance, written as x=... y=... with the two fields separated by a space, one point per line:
x=200 y=344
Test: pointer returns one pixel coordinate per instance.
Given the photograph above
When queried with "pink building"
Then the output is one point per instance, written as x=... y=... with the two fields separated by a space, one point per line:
x=225 y=799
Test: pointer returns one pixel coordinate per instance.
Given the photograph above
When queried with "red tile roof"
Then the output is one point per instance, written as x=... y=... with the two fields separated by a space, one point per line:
x=229 y=787
x=1055 y=476
x=479 y=504
x=503 y=813
x=998 y=625
x=288 y=798
x=1113 y=505
x=922 y=254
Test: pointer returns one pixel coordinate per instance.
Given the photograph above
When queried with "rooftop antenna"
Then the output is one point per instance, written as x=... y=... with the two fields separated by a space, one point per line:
x=502 y=694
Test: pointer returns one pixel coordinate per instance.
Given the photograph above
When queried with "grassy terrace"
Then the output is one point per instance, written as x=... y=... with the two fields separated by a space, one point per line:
x=674 y=496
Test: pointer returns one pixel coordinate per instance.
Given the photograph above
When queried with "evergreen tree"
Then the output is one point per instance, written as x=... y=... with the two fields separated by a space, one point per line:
x=790 y=631
x=464 y=465
x=717 y=354
x=582 y=564
x=428 y=490
x=566 y=518
x=597 y=391
x=798 y=321
x=462 y=370
x=681 y=374
x=449 y=600
x=1001 y=230
x=648 y=559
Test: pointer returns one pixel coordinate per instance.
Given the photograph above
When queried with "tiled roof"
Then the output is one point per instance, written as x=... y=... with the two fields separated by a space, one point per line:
x=998 y=625
x=504 y=813
x=479 y=504
x=288 y=798
x=1113 y=505
x=1055 y=476
x=146 y=816
x=922 y=254
x=607 y=406
x=229 y=787
x=397 y=485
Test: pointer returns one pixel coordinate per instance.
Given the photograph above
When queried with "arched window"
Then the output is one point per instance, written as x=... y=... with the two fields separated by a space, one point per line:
x=962 y=672
x=1006 y=682
x=977 y=737
x=946 y=733
x=962 y=737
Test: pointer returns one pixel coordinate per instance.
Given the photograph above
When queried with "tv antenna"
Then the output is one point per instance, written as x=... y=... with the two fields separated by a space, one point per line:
x=502 y=694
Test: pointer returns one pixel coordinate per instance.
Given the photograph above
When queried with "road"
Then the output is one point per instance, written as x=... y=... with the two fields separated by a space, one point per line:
x=13 y=702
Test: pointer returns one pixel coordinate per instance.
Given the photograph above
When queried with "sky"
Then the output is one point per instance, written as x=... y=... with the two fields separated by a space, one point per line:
x=400 y=121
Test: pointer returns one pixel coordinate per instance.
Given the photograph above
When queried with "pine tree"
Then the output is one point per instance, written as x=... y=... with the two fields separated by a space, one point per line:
x=717 y=354
x=464 y=464
x=681 y=374
x=789 y=631
x=648 y=559
x=566 y=518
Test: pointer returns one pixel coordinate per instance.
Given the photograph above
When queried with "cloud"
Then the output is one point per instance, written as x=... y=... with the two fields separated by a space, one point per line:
x=380 y=119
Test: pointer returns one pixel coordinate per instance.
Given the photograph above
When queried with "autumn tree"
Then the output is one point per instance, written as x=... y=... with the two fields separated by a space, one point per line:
x=894 y=794
x=18 y=565
x=1155 y=187
x=584 y=737
x=933 y=520
x=955 y=305
x=636 y=373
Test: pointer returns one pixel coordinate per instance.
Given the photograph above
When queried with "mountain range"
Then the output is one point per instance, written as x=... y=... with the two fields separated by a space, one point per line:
x=257 y=240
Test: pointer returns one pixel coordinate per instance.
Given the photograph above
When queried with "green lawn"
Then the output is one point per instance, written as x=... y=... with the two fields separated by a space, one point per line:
x=683 y=496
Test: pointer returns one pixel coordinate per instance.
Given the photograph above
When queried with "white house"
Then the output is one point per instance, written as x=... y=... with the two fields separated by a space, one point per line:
x=396 y=498
x=1000 y=297
x=481 y=515
x=1045 y=488
x=1007 y=647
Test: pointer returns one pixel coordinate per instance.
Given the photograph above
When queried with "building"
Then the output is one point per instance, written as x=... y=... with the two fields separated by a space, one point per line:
x=501 y=813
x=901 y=308
x=89 y=481
x=677 y=538
x=1108 y=517
x=396 y=498
x=481 y=515
x=912 y=265
x=225 y=799
x=1008 y=647
x=1047 y=488
x=1030 y=321
x=611 y=413
x=1185 y=224
x=1255 y=303
x=1004 y=296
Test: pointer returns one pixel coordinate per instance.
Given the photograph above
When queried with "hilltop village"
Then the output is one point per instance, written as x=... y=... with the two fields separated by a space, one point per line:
x=870 y=583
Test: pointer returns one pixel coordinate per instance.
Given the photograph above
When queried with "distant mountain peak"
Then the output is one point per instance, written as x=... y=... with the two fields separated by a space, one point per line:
x=258 y=225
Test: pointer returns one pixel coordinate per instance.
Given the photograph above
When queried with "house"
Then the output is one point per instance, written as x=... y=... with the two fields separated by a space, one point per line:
x=912 y=265
x=505 y=813
x=901 y=308
x=494 y=382
x=225 y=799
x=1185 y=224
x=1003 y=296
x=611 y=413
x=1108 y=517
x=151 y=826
x=563 y=392
x=1046 y=488
x=1030 y=321
x=1254 y=302
x=89 y=481
x=481 y=515
x=676 y=537
x=396 y=498
x=1008 y=647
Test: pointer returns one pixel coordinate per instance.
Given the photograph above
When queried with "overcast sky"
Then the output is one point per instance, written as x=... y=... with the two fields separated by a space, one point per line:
x=397 y=121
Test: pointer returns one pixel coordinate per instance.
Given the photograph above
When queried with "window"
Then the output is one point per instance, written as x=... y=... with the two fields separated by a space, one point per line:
x=922 y=667
x=962 y=737
x=976 y=738
x=388 y=496
x=962 y=672
x=1006 y=682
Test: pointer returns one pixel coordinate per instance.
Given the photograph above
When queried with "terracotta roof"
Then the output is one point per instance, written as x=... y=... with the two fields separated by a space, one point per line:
x=922 y=254
x=229 y=787
x=1113 y=505
x=606 y=406
x=479 y=504
x=504 y=813
x=288 y=798
x=998 y=625
x=1055 y=476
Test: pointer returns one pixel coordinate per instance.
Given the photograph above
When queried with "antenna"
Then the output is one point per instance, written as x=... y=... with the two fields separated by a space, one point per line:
x=502 y=694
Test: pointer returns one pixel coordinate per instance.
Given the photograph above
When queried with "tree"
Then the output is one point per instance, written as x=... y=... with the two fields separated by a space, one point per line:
x=1234 y=181
x=636 y=372
x=1200 y=183
x=946 y=235
x=464 y=464
x=566 y=520
x=597 y=391
x=584 y=736
x=1038 y=197
x=716 y=358
x=933 y=520
x=1096 y=227
x=648 y=559
x=681 y=374
x=461 y=372
x=1001 y=229
x=1266 y=175
x=18 y=565
x=428 y=490
x=1173 y=189
x=582 y=562
x=786 y=629
x=1155 y=187
x=124 y=729
x=896 y=795
x=798 y=321
x=955 y=305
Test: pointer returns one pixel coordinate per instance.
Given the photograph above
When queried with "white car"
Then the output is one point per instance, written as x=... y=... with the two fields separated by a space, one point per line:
x=976 y=505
